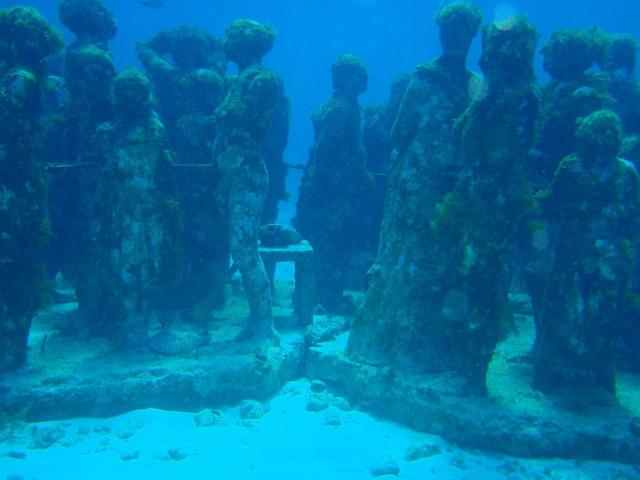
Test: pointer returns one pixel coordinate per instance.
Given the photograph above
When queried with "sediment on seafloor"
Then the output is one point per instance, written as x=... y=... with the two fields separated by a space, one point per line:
x=62 y=381
x=513 y=419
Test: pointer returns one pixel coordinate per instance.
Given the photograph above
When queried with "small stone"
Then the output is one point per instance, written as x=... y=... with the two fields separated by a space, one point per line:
x=341 y=403
x=317 y=403
x=318 y=386
x=102 y=429
x=422 y=449
x=510 y=467
x=45 y=437
x=127 y=456
x=332 y=418
x=132 y=425
x=211 y=418
x=13 y=476
x=458 y=461
x=387 y=467
x=177 y=454
x=251 y=409
x=16 y=455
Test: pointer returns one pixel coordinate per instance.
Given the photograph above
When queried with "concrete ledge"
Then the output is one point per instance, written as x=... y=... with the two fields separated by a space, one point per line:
x=87 y=378
x=429 y=403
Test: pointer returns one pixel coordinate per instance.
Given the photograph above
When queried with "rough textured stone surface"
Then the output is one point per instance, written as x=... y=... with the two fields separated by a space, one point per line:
x=401 y=321
x=106 y=383
x=335 y=191
x=432 y=404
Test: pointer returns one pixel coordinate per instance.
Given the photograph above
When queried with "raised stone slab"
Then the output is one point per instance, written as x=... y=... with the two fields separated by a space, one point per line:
x=73 y=377
x=508 y=422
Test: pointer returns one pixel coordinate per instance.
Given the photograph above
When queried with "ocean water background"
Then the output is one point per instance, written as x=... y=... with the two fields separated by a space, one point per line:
x=392 y=36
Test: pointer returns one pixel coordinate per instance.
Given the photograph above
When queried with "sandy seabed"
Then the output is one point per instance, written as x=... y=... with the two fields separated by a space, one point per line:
x=286 y=442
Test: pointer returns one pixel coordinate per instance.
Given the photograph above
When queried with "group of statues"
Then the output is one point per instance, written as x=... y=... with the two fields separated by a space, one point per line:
x=497 y=185
x=136 y=187
x=457 y=192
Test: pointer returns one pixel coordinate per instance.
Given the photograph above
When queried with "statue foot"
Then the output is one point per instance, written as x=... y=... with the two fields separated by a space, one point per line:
x=260 y=332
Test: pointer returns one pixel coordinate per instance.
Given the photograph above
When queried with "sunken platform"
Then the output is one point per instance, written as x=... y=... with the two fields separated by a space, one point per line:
x=514 y=419
x=84 y=377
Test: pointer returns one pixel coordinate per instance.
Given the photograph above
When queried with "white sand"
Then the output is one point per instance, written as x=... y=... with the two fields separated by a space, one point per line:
x=287 y=443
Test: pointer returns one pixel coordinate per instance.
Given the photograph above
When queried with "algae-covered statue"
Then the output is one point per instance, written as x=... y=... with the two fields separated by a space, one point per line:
x=89 y=70
x=376 y=135
x=399 y=321
x=26 y=39
x=573 y=92
x=186 y=67
x=174 y=60
x=90 y=20
x=244 y=119
x=136 y=252
x=592 y=206
x=487 y=216
x=336 y=187
x=623 y=88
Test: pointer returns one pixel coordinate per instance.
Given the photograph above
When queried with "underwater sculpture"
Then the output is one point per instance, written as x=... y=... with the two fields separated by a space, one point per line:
x=26 y=38
x=623 y=88
x=170 y=58
x=573 y=92
x=487 y=217
x=136 y=255
x=88 y=73
x=275 y=144
x=186 y=67
x=592 y=206
x=243 y=120
x=90 y=20
x=401 y=322
x=336 y=187
x=376 y=136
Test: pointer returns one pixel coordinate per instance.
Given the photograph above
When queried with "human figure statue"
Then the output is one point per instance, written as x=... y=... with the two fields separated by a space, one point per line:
x=89 y=71
x=406 y=290
x=571 y=93
x=488 y=215
x=177 y=61
x=186 y=67
x=244 y=119
x=592 y=206
x=336 y=186
x=376 y=134
x=26 y=39
x=136 y=253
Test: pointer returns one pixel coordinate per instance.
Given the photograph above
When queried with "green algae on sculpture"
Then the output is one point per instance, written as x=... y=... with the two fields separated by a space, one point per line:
x=247 y=41
x=569 y=53
x=131 y=93
x=24 y=228
x=90 y=20
x=169 y=57
x=403 y=321
x=244 y=120
x=136 y=252
x=573 y=92
x=26 y=37
x=459 y=22
x=593 y=207
x=332 y=209
x=186 y=67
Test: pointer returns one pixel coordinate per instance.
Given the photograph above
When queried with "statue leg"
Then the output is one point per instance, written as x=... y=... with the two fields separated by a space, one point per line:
x=245 y=211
